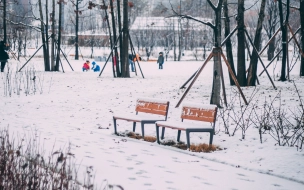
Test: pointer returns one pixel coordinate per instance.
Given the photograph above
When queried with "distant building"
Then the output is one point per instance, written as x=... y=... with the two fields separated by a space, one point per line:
x=162 y=23
x=161 y=31
x=88 y=39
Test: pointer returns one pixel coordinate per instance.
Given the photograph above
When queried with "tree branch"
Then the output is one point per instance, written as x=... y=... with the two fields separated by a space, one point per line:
x=22 y=24
x=190 y=18
x=211 y=5
x=246 y=9
x=290 y=6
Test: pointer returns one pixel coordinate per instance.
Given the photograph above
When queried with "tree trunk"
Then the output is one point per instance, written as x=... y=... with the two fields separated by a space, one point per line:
x=284 y=38
x=228 y=42
x=180 y=36
x=271 y=49
x=76 y=31
x=114 y=37
x=47 y=44
x=110 y=34
x=59 y=37
x=241 y=58
x=257 y=43
x=272 y=11
x=302 y=34
x=216 y=84
x=174 y=41
x=43 y=38
x=120 y=39
x=53 y=37
x=4 y=21
x=125 y=71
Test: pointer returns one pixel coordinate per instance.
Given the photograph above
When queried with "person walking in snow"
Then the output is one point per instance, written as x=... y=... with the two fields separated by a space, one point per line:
x=3 y=55
x=131 y=62
x=160 y=60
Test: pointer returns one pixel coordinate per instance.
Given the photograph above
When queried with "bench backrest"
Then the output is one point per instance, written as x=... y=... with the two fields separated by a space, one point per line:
x=154 y=106
x=199 y=112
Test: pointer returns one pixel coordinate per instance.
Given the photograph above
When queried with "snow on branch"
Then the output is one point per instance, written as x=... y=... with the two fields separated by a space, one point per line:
x=25 y=25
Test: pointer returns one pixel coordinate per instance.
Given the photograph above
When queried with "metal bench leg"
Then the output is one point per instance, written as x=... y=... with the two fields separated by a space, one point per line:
x=178 y=135
x=211 y=138
x=157 y=134
x=115 y=129
x=188 y=139
x=134 y=126
x=142 y=129
x=163 y=133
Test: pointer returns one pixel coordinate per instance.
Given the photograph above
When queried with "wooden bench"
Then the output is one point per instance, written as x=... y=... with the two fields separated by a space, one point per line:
x=152 y=110
x=195 y=112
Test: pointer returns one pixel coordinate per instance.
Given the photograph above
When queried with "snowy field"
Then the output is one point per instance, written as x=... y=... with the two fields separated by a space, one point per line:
x=76 y=107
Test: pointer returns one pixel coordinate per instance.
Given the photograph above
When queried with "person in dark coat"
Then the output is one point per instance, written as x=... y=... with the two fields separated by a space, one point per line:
x=131 y=62
x=3 y=55
x=160 y=60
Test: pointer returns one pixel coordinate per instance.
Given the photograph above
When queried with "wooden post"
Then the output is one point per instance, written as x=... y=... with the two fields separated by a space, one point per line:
x=218 y=51
x=196 y=75
x=234 y=78
x=260 y=59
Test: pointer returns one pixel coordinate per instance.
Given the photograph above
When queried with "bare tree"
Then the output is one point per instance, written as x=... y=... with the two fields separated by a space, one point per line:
x=252 y=72
x=53 y=36
x=78 y=12
x=228 y=42
x=125 y=71
x=302 y=33
x=284 y=37
x=114 y=39
x=241 y=61
x=59 y=34
x=44 y=37
x=216 y=27
x=270 y=26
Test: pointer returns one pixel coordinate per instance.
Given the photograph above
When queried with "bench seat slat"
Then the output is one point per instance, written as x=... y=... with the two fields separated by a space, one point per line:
x=139 y=118
x=183 y=125
x=152 y=107
x=198 y=114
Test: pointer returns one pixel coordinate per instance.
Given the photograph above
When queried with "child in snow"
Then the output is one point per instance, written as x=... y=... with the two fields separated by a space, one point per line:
x=86 y=66
x=95 y=67
x=160 y=60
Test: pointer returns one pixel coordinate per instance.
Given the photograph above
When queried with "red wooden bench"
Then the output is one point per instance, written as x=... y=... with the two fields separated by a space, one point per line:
x=152 y=110
x=204 y=115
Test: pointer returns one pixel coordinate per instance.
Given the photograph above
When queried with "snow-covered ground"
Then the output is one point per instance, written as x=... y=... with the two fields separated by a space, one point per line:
x=76 y=107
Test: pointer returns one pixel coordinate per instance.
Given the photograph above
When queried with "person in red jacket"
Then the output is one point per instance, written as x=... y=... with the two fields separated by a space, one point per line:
x=86 y=66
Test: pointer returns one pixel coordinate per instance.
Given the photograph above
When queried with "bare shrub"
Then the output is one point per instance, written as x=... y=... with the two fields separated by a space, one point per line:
x=29 y=82
x=134 y=135
x=203 y=148
x=24 y=166
x=181 y=145
x=168 y=142
x=149 y=138
x=235 y=116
